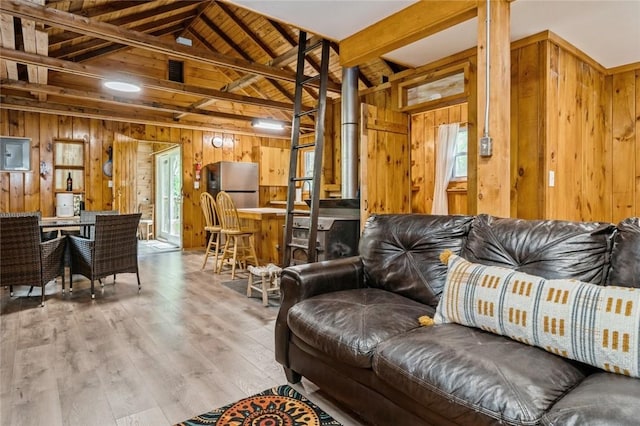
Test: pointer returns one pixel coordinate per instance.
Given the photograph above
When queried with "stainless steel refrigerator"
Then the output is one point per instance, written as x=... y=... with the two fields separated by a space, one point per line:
x=240 y=180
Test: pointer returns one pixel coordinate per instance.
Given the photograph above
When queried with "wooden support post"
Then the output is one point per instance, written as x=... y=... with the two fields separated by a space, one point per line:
x=492 y=192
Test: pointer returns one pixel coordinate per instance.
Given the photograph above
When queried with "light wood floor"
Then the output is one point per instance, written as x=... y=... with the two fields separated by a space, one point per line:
x=183 y=346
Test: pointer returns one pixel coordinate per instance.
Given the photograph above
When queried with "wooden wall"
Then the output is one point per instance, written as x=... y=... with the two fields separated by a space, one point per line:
x=572 y=119
x=29 y=191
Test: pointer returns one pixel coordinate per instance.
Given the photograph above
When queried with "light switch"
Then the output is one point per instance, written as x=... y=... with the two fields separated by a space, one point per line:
x=110 y=183
x=552 y=178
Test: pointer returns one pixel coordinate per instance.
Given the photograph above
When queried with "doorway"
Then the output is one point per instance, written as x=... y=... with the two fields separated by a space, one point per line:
x=169 y=196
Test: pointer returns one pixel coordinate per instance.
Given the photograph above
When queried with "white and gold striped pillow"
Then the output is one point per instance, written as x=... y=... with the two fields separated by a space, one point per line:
x=593 y=324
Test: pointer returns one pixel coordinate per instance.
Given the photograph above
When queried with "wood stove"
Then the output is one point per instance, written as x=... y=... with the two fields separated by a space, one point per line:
x=338 y=231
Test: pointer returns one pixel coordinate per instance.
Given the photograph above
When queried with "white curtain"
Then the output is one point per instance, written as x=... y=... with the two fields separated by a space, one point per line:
x=445 y=151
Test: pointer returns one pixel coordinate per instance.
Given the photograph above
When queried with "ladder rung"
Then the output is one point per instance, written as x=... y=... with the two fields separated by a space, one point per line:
x=304 y=145
x=303 y=246
x=310 y=79
x=312 y=47
x=300 y=213
x=308 y=112
x=301 y=179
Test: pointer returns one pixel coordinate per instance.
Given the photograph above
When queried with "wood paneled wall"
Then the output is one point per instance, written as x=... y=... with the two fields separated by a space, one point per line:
x=575 y=137
x=424 y=134
x=29 y=191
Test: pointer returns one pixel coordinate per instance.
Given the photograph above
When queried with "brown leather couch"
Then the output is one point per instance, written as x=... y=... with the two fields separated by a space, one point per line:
x=351 y=325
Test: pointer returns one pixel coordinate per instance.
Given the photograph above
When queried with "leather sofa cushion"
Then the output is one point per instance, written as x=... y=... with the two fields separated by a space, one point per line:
x=546 y=248
x=494 y=375
x=601 y=399
x=348 y=325
x=401 y=253
x=625 y=257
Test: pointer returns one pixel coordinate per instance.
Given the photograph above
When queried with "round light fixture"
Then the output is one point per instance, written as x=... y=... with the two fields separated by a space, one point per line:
x=122 y=86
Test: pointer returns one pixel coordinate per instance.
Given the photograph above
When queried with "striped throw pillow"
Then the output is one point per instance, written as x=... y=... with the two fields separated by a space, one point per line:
x=593 y=324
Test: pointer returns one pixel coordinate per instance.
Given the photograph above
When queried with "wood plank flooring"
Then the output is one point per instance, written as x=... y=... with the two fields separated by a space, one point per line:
x=183 y=346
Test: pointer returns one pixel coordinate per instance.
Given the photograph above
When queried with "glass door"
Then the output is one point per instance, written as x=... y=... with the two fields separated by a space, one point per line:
x=169 y=196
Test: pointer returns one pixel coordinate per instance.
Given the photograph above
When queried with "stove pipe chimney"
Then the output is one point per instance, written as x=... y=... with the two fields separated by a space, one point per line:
x=349 y=133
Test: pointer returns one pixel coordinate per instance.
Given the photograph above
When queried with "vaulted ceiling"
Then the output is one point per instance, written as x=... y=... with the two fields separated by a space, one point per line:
x=56 y=54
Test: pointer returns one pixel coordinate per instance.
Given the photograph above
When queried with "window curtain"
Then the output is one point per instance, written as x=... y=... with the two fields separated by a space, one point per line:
x=445 y=152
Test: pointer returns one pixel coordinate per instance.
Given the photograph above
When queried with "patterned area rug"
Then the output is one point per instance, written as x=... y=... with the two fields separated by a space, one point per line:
x=278 y=406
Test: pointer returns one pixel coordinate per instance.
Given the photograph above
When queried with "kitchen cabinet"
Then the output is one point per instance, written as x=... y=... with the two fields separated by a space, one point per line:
x=274 y=166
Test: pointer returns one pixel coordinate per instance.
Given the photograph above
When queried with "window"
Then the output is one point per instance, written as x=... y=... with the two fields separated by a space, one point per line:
x=460 y=156
x=428 y=90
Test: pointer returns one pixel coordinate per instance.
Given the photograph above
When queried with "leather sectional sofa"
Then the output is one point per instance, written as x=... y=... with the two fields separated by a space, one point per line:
x=351 y=325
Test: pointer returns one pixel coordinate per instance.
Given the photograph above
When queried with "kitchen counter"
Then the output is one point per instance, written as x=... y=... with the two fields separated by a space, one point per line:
x=268 y=223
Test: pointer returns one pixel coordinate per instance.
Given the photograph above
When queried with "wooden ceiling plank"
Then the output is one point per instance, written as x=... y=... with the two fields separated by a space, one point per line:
x=8 y=41
x=29 y=45
x=211 y=25
x=410 y=24
x=27 y=105
x=152 y=83
x=94 y=28
x=42 y=48
x=279 y=61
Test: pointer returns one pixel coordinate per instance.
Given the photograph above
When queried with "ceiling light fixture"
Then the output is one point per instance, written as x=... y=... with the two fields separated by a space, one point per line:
x=121 y=86
x=267 y=124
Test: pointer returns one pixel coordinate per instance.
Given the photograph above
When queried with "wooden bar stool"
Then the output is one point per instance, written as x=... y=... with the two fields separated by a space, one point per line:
x=238 y=246
x=212 y=225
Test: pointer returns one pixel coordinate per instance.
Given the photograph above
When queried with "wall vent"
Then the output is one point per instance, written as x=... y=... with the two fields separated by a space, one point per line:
x=176 y=71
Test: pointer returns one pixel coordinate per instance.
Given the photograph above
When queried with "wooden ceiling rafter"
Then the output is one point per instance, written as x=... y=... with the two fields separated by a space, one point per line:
x=281 y=60
x=91 y=71
x=294 y=43
x=234 y=46
x=135 y=39
x=206 y=102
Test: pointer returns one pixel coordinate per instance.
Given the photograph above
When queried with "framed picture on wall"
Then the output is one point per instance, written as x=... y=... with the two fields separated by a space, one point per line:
x=16 y=154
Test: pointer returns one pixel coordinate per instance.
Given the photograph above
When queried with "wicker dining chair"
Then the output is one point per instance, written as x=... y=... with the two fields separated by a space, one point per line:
x=212 y=226
x=44 y=235
x=113 y=250
x=238 y=246
x=25 y=259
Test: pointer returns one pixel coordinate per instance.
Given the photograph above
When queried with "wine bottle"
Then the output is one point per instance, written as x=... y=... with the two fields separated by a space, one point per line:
x=69 y=183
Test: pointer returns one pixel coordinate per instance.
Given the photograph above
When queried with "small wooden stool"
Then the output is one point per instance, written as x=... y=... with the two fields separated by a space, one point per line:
x=269 y=283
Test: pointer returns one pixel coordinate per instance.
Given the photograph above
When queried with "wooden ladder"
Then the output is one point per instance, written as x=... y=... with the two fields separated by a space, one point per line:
x=318 y=145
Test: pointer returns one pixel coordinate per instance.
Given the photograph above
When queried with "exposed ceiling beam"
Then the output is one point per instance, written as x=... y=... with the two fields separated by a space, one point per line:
x=152 y=83
x=77 y=49
x=119 y=100
x=113 y=33
x=336 y=48
x=27 y=105
x=410 y=24
x=152 y=14
x=114 y=47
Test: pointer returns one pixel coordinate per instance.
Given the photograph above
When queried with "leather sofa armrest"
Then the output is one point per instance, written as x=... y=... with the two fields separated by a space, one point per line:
x=301 y=282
